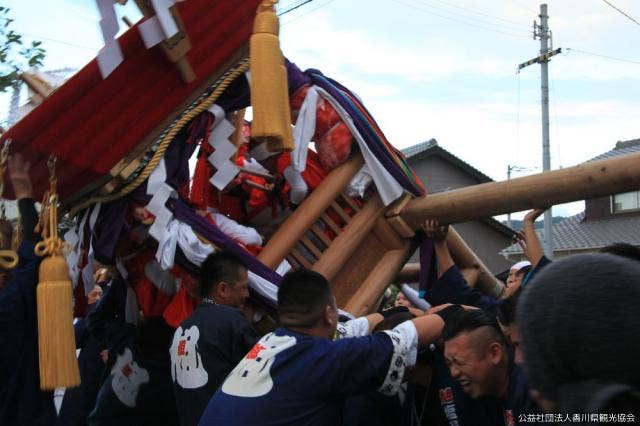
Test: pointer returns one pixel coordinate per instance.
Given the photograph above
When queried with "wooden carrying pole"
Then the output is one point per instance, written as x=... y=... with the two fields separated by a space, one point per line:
x=467 y=259
x=588 y=180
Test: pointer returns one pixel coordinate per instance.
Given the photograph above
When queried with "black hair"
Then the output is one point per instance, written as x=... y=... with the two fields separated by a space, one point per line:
x=217 y=267
x=578 y=321
x=622 y=249
x=390 y=322
x=508 y=307
x=302 y=296
x=465 y=321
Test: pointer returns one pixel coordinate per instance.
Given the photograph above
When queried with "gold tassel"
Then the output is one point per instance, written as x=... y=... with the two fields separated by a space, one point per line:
x=56 y=341
x=269 y=87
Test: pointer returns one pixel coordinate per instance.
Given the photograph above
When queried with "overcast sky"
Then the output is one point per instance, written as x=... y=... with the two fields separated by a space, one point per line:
x=440 y=69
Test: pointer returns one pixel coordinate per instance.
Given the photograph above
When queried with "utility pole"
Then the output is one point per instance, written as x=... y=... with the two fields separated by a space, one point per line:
x=542 y=31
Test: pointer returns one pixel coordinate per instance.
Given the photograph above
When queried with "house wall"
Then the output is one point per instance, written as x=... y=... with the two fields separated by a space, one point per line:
x=439 y=175
x=600 y=208
x=597 y=208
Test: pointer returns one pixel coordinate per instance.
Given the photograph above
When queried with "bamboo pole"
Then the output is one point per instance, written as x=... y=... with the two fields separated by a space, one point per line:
x=287 y=236
x=588 y=180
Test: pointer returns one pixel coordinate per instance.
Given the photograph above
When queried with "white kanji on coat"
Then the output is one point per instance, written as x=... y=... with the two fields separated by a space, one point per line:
x=252 y=376
x=186 y=363
x=127 y=378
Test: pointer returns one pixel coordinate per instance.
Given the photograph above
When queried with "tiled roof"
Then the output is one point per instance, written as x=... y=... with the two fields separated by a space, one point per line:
x=431 y=147
x=622 y=148
x=574 y=233
x=421 y=147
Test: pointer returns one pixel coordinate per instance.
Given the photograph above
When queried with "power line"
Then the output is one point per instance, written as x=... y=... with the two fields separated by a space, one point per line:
x=479 y=21
x=37 y=37
x=309 y=12
x=460 y=21
x=603 y=56
x=294 y=7
x=518 y=24
x=524 y=7
x=625 y=14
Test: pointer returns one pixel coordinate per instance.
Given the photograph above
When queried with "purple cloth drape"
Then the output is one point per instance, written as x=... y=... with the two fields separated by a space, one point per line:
x=428 y=266
x=212 y=233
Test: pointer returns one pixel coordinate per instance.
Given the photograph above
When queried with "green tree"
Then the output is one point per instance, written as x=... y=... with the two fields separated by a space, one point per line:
x=15 y=55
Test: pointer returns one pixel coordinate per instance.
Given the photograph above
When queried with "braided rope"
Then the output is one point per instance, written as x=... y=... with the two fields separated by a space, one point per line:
x=166 y=140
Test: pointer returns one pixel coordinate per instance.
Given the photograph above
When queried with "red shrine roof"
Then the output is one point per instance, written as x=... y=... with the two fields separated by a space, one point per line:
x=91 y=123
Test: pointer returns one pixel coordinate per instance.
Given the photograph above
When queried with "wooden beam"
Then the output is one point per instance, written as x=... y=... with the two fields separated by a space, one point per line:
x=350 y=238
x=465 y=258
x=588 y=180
x=364 y=300
x=176 y=47
x=410 y=273
x=340 y=212
x=306 y=215
x=40 y=88
x=387 y=234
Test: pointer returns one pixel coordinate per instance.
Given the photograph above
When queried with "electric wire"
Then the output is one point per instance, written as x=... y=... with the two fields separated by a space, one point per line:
x=494 y=17
x=623 y=13
x=471 y=24
x=613 y=58
x=307 y=13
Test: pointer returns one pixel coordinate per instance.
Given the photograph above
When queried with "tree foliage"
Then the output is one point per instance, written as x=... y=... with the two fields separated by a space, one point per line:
x=15 y=55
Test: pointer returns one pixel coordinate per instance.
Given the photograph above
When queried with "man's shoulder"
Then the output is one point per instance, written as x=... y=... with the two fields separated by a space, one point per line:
x=205 y=313
x=518 y=397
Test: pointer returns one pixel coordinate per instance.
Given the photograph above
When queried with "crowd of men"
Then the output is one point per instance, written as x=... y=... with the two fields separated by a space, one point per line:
x=560 y=345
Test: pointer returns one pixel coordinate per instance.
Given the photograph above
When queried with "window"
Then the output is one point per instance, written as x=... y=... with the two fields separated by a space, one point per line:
x=626 y=201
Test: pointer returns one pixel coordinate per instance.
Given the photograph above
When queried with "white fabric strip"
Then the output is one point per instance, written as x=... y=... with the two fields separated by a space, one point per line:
x=167 y=244
x=388 y=188
x=75 y=238
x=414 y=298
x=167 y=23
x=151 y=32
x=353 y=328
x=192 y=247
x=244 y=234
x=87 y=271
x=359 y=183
x=299 y=188
x=226 y=170
x=404 y=338
x=304 y=129
x=110 y=56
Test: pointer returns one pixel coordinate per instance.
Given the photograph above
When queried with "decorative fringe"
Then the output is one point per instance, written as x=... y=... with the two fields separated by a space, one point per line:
x=56 y=341
x=269 y=87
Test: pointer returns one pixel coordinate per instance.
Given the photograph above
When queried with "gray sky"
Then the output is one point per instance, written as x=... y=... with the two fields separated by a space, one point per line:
x=439 y=69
